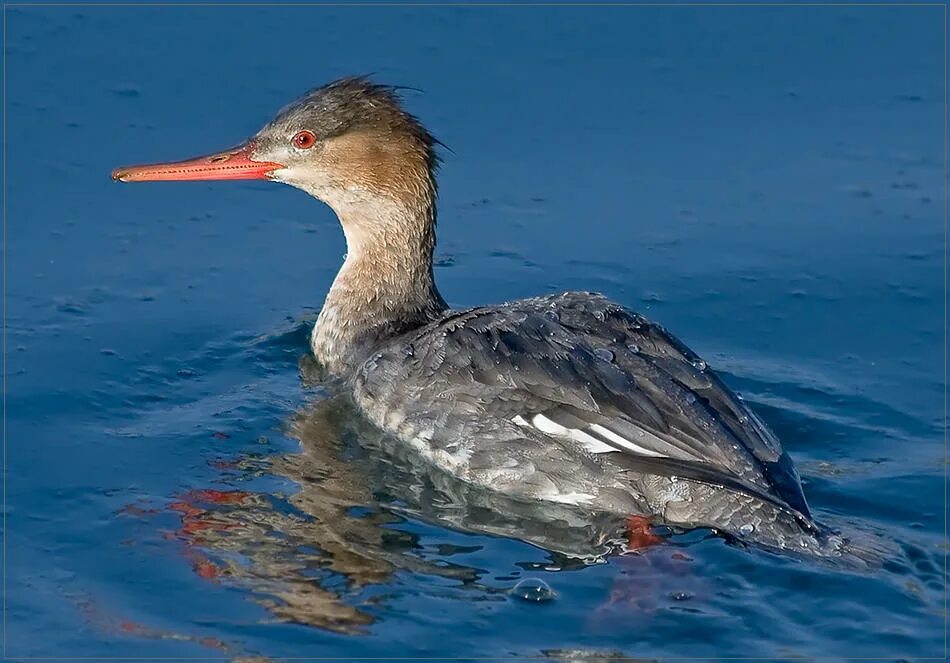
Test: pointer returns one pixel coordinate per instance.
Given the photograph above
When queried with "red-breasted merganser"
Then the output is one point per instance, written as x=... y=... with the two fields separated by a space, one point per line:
x=566 y=398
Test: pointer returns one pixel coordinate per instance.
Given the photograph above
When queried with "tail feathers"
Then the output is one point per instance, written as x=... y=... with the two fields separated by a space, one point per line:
x=856 y=548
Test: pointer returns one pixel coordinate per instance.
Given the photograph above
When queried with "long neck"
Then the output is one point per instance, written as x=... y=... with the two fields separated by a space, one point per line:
x=385 y=286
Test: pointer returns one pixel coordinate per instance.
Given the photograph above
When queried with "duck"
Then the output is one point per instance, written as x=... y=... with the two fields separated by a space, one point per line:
x=567 y=399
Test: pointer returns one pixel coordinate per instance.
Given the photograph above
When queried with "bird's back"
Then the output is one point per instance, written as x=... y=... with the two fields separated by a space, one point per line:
x=572 y=398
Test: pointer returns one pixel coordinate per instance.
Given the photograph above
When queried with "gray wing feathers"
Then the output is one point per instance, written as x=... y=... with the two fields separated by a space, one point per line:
x=581 y=369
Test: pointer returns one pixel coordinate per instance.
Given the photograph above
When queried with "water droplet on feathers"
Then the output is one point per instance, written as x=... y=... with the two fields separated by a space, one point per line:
x=604 y=353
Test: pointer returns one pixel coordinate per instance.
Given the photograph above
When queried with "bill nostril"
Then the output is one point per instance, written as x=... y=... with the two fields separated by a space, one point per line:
x=218 y=158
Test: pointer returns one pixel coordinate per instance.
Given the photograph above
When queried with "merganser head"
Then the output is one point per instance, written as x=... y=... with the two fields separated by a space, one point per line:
x=348 y=143
x=351 y=145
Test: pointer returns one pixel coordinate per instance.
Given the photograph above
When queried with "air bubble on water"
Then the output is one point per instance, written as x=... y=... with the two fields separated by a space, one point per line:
x=533 y=590
x=747 y=529
x=699 y=365
x=739 y=396
x=743 y=419
x=604 y=353
x=681 y=596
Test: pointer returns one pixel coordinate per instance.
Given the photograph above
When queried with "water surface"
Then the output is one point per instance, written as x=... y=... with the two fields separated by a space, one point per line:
x=766 y=182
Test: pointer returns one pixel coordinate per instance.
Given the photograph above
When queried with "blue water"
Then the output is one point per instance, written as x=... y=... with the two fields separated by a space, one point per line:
x=766 y=182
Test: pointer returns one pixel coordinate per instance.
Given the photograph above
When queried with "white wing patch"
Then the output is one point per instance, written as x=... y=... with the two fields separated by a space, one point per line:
x=596 y=438
x=624 y=442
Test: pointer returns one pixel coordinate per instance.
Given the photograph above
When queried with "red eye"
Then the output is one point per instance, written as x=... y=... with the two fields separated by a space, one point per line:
x=304 y=139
